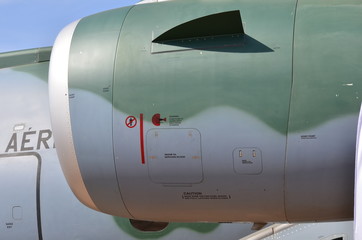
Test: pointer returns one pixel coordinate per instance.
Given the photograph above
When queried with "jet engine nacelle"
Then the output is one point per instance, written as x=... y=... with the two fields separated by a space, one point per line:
x=211 y=111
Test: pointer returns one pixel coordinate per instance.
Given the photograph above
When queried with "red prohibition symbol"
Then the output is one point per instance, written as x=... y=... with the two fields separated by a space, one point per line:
x=131 y=121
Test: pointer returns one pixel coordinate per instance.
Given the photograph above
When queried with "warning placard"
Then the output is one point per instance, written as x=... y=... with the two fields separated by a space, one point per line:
x=175 y=120
x=131 y=121
x=202 y=196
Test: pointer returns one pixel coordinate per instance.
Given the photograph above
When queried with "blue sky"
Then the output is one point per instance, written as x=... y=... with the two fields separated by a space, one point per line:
x=35 y=23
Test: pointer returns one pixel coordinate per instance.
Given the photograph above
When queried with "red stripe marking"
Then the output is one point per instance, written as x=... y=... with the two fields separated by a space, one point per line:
x=142 y=141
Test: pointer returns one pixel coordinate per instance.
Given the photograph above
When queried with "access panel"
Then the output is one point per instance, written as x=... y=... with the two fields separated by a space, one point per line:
x=19 y=200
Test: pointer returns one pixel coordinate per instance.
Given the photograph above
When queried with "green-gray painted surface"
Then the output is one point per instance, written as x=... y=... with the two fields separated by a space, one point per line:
x=327 y=60
x=326 y=98
x=93 y=50
x=23 y=57
x=91 y=67
x=294 y=73
x=188 y=82
x=327 y=70
x=126 y=226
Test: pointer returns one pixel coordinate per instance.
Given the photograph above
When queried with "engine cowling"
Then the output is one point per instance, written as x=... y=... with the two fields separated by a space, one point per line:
x=210 y=111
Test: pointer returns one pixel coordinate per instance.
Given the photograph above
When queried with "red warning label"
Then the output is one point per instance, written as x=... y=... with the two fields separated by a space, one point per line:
x=131 y=121
x=157 y=120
